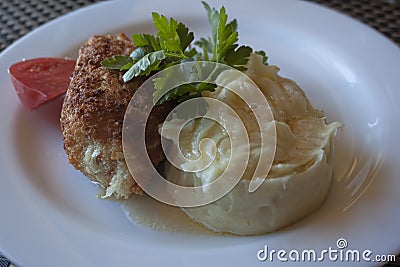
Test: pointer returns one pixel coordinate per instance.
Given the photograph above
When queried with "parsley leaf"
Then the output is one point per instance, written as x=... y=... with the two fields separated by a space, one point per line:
x=223 y=44
x=170 y=45
x=116 y=62
x=186 y=91
x=238 y=57
x=213 y=18
x=226 y=37
x=140 y=40
x=140 y=52
x=167 y=33
x=145 y=65
x=207 y=47
x=185 y=36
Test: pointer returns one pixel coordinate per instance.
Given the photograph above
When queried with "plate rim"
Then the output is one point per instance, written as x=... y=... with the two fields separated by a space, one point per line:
x=83 y=10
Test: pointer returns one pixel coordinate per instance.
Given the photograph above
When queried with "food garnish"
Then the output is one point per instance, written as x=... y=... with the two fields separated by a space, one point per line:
x=172 y=45
x=37 y=81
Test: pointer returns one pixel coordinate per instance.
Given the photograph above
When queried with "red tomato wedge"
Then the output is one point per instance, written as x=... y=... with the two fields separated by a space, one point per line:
x=39 y=80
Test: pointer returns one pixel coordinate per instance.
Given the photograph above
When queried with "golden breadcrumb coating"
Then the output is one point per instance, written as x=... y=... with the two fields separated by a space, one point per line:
x=92 y=117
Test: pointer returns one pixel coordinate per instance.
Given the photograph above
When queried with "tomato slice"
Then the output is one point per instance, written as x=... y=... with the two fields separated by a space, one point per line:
x=39 y=80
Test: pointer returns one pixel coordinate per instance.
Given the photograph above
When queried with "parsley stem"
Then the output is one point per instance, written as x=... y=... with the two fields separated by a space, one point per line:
x=212 y=73
x=180 y=56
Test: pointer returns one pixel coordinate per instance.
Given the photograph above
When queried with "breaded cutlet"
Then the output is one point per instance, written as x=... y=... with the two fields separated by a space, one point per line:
x=92 y=117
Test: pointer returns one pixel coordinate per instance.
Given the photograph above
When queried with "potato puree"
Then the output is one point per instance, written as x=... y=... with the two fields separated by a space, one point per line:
x=300 y=176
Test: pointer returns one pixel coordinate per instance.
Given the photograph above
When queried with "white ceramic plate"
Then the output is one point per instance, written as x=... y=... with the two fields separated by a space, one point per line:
x=50 y=215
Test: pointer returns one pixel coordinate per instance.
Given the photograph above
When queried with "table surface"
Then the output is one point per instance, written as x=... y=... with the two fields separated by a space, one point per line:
x=17 y=18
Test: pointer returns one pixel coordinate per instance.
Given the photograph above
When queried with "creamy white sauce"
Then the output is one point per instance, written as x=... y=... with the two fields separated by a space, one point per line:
x=147 y=212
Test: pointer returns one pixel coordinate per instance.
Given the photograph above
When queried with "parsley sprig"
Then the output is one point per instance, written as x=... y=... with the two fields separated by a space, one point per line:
x=154 y=53
x=172 y=45
x=223 y=42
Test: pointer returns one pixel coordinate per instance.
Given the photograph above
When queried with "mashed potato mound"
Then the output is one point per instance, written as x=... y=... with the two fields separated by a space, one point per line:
x=301 y=173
